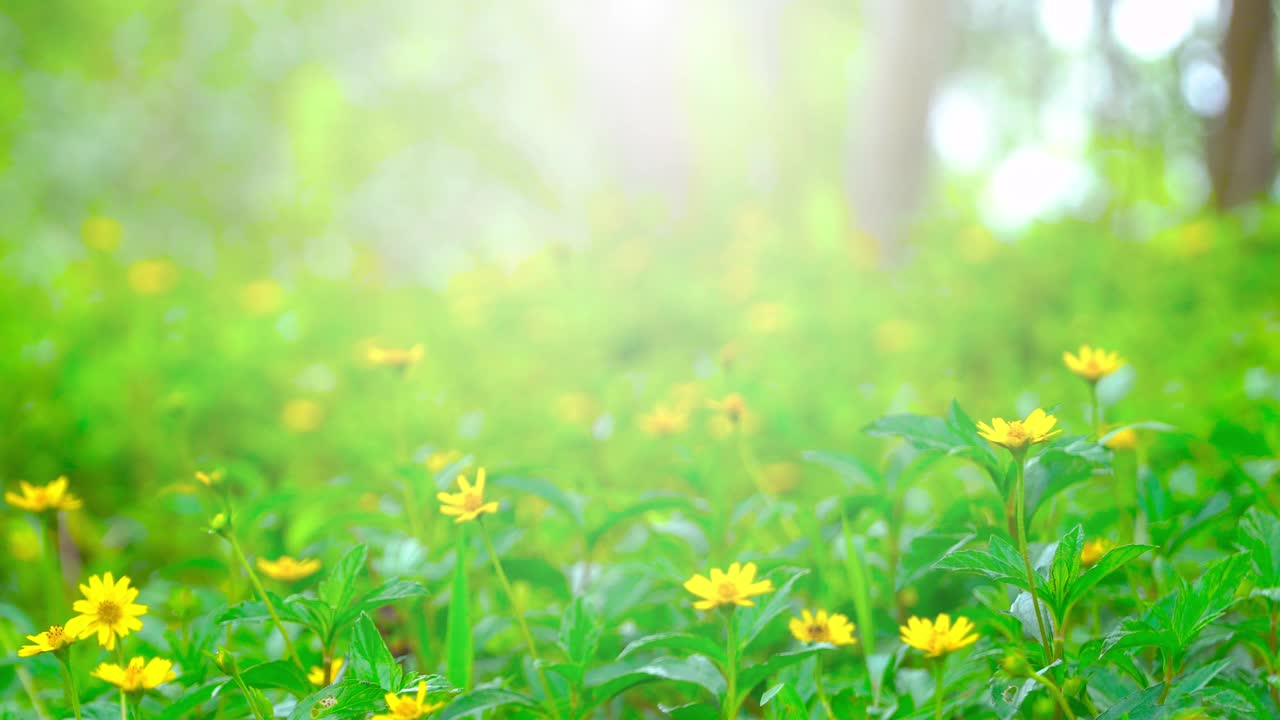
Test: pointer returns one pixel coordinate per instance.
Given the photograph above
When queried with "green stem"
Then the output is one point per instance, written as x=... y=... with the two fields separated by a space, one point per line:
x=518 y=612
x=939 y=689
x=822 y=693
x=69 y=679
x=266 y=600
x=253 y=704
x=124 y=708
x=1056 y=693
x=1168 y=676
x=1095 y=410
x=1020 y=499
x=731 y=703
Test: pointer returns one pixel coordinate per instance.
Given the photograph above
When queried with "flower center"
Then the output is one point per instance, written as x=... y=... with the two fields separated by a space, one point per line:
x=1018 y=432
x=817 y=632
x=109 y=612
x=472 y=502
x=407 y=709
x=727 y=591
x=55 y=635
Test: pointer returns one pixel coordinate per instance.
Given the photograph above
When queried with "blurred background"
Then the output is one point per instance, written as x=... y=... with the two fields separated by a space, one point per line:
x=585 y=210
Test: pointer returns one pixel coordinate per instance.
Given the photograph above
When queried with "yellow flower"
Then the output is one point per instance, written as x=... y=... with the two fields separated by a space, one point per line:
x=663 y=420
x=468 y=503
x=1018 y=434
x=209 y=479
x=1093 y=551
x=399 y=358
x=938 y=637
x=442 y=459
x=834 y=628
x=734 y=587
x=261 y=296
x=108 y=610
x=1126 y=439
x=51 y=640
x=1093 y=364
x=35 y=498
x=407 y=708
x=152 y=277
x=24 y=543
x=733 y=407
x=302 y=415
x=317 y=676
x=101 y=233
x=137 y=675
x=779 y=478
x=288 y=569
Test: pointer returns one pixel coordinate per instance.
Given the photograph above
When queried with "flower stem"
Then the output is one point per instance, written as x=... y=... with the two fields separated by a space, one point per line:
x=69 y=679
x=730 y=706
x=1020 y=500
x=1056 y=693
x=822 y=693
x=1095 y=410
x=520 y=621
x=124 y=708
x=939 y=689
x=266 y=600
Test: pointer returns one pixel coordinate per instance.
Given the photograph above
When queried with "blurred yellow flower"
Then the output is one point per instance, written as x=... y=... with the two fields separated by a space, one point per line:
x=398 y=358
x=288 y=569
x=101 y=233
x=302 y=415
x=823 y=628
x=442 y=459
x=663 y=420
x=24 y=543
x=1126 y=439
x=152 y=277
x=1093 y=364
x=734 y=587
x=138 y=675
x=467 y=504
x=1018 y=434
x=938 y=637
x=896 y=335
x=209 y=479
x=108 y=609
x=779 y=478
x=1093 y=551
x=38 y=498
x=261 y=296
x=51 y=640
x=317 y=675
x=404 y=707
x=732 y=408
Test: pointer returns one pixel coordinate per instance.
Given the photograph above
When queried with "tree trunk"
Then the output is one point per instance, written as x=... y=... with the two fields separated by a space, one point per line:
x=1241 y=143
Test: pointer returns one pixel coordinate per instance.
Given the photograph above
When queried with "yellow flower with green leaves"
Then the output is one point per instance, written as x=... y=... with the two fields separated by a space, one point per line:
x=663 y=420
x=1093 y=551
x=209 y=479
x=468 y=503
x=51 y=640
x=316 y=676
x=408 y=707
x=821 y=627
x=1092 y=364
x=108 y=609
x=39 y=498
x=398 y=358
x=1126 y=439
x=1019 y=434
x=733 y=407
x=735 y=587
x=938 y=637
x=288 y=569
x=138 y=675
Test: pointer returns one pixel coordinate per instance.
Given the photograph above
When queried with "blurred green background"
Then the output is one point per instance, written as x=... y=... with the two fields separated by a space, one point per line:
x=584 y=210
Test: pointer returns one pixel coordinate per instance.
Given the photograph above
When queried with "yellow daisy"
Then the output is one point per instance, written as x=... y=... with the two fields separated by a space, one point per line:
x=733 y=407
x=37 y=498
x=468 y=503
x=317 y=675
x=734 y=587
x=1093 y=364
x=139 y=674
x=51 y=640
x=209 y=479
x=442 y=459
x=405 y=707
x=288 y=569
x=1093 y=551
x=938 y=637
x=1018 y=434
x=399 y=358
x=663 y=420
x=1126 y=439
x=823 y=628
x=108 y=610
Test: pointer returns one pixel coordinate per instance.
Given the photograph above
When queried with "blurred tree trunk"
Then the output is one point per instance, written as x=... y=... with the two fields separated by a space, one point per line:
x=1241 y=143
x=889 y=163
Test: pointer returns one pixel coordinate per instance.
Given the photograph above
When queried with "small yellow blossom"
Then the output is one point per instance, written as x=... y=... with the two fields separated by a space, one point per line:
x=209 y=479
x=1092 y=364
x=1126 y=439
x=152 y=277
x=1093 y=551
x=938 y=637
x=288 y=569
x=1018 y=434
x=302 y=415
x=37 y=498
x=823 y=628
x=261 y=296
x=317 y=674
x=442 y=459
x=779 y=478
x=101 y=233
x=404 y=707
x=399 y=358
x=468 y=503
x=734 y=587
x=24 y=543
x=108 y=610
x=663 y=420
x=138 y=675
x=51 y=640
x=733 y=407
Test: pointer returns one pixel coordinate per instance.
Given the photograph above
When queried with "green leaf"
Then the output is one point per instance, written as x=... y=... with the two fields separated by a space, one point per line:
x=854 y=471
x=355 y=699
x=385 y=594
x=755 y=674
x=676 y=641
x=478 y=701
x=1059 y=468
x=859 y=589
x=255 y=610
x=755 y=619
x=278 y=674
x=545 y=489
x=1115 y=559
x=1141 y=705
x=539 y=573
x=1002 y=564
x=1065 y=568
x=580 y=632
x=647 y=505
x=340 y=586
x=191 y=699
x=370 y=660
x=787 y=698
x=459 y=638
x=694 y=711
x=606 y=682
x=1259 y=535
